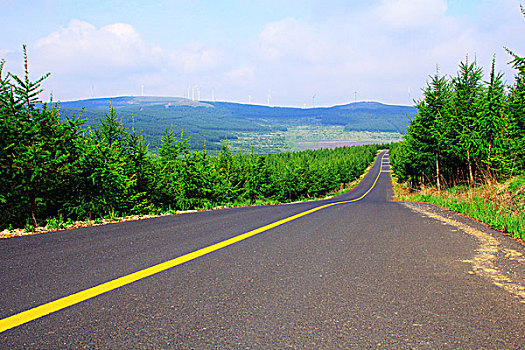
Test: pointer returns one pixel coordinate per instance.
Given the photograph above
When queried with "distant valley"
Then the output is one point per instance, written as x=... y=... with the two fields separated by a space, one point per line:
x=245 y=127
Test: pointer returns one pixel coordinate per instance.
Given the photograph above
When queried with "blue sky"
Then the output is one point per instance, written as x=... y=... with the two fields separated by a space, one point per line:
x=380 y=50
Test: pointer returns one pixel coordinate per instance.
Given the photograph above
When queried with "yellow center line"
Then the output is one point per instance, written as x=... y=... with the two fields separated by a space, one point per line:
x=62 y=303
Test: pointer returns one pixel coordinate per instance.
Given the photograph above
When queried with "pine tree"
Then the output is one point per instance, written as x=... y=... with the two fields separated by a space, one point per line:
x=427 y=137
x=39 y=152
x=466 y=102
x=516 y=105
x=491 y=124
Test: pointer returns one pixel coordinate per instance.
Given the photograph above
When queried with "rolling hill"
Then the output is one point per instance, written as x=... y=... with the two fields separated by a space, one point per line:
x=213 y=122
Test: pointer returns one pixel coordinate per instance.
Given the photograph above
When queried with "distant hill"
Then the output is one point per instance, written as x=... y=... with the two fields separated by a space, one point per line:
x=218 y=121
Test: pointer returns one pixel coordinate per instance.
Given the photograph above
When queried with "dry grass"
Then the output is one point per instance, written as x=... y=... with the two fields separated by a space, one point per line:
x=501 y=205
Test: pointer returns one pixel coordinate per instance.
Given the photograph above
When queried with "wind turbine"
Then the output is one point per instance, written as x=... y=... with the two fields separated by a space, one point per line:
x=269 y=97
x=313 y=101
x=142 y=90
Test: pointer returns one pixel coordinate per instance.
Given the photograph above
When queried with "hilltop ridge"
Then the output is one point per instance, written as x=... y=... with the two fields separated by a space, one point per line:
x=214 y=122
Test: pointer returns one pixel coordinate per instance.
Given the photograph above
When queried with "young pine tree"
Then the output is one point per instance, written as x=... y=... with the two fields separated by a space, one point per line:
x=516 y=110
x=428 y=134
x=491 y=123
x=466 y=100
x=39 y=152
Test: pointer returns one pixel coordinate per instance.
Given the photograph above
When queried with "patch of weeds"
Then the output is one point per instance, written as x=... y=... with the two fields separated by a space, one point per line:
x=112 y=215
x=55 y=223
x=29 y=227
x=457 y=190
x=517 y=188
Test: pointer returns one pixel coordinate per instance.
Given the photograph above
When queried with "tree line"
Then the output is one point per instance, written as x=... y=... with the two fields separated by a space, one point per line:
x=52 y=167
x=467 y=130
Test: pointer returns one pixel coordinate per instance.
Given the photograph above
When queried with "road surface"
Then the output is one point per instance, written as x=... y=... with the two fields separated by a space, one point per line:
x=353 y=273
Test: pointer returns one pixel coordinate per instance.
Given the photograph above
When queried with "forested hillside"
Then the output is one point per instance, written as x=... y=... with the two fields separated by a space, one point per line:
x=53 y=170
x=214 y=122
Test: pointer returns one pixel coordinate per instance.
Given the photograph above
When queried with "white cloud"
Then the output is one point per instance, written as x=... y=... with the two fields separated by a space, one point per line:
x=279 y=39
x=298 y=41
x=4 y=52
x=108 y=51
x=334 y=58
x=240 y=76
x=196 y=57
x=381 y=50
x=411 y=13
x=115 y=59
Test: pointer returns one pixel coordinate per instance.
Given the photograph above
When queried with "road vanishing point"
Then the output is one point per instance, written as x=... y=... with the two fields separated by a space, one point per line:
x=357 y=271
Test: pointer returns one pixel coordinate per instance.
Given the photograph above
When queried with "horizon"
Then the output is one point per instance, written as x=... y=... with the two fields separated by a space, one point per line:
x=231 y=102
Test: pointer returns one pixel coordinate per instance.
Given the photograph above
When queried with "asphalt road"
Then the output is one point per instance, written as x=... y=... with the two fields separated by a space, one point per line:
x=368 y=274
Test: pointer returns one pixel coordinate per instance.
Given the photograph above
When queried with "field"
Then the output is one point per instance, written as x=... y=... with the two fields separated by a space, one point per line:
x=303 y=137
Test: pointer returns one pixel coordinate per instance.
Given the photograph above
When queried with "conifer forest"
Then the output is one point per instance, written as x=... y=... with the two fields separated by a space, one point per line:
x=469 y=129
x=53 y=168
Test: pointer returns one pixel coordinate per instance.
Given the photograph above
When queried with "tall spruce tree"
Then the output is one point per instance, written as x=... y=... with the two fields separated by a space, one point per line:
x=39 y=152
x=427 y=135
x=491 y=123
x=467 y=107
x=516 y=110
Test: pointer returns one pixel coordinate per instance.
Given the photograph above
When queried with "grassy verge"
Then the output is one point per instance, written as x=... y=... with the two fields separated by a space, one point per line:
x=500 y=205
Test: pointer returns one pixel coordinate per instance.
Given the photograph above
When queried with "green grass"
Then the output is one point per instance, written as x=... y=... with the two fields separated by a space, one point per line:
x=300 y=137
x=501 y=206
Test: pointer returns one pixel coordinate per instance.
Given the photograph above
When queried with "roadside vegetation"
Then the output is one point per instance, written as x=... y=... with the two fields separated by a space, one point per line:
x=53 y=171
x=498 y=204
x=465 y=148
